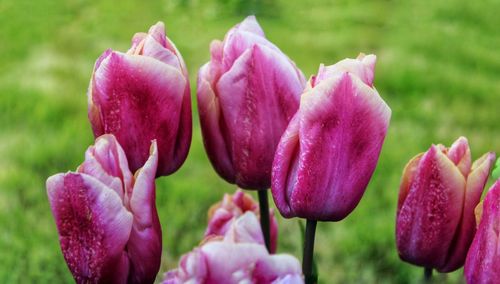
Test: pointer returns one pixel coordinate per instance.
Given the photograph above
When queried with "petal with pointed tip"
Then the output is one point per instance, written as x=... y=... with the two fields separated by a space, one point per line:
x=144 y=246
x=459 y=154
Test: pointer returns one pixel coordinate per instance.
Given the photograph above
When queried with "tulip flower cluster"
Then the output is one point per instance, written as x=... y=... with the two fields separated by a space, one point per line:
x=315 y=143
x=237 y=255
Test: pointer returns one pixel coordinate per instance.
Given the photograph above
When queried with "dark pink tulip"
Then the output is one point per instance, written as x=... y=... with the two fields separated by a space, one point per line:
x=435 y=218
x=247 y=94
x=107 y=221
x=239 y=257
x=330 y=149
x=483 y=259
x=142 y=95
x=222 y=214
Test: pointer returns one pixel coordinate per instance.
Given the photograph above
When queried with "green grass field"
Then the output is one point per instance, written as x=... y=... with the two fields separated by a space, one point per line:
x=438 y=67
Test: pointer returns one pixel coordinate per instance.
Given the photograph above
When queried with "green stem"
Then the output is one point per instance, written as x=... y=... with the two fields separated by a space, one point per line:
x=264 y=218
x=428 y=275
x=307 y=262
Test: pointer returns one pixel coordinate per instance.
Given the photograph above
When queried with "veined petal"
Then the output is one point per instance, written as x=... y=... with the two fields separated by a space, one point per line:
x=343 y=123
x=142 y=99
x=93 y=226
x=144 y=246
x=429 y=218
x=474 y=188
x=258 y=96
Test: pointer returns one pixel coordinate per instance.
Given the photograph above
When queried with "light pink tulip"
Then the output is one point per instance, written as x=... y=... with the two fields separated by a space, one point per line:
x=239 y=257
x=247 y=94
x=222 y=214
x=328 y=153
x=142 y=95
x=106 y=218
x=438 y=193
x=483 y=259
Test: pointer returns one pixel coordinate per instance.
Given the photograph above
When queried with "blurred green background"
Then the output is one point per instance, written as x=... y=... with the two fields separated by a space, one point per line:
x=438 y=68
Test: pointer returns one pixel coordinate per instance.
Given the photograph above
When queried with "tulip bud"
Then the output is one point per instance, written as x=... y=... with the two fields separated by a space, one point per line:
x=143 y=95
x=239 y=257
x=483 y=259
x=222 y=214
x=106 y=218
x=439 y=190
x=247 y=94
x=329 y=151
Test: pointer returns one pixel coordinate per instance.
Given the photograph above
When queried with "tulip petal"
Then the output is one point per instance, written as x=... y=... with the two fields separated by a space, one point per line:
x=258 y=96
x=154 y=49
x=250 y=24
x=408 y=177
x=483 y=257
x=274 y=267
x=93 y=226
x=107 y=162
x=363 y=67
x=429 y=217
x=211 y=120
x=157 y=31
x=237 y=43
x=459 y=154
x=245 y=229
x=284 y=175
x=140 y=97
x=144 y=246
x=231 y=262
x=343 y=123
x=467 y=228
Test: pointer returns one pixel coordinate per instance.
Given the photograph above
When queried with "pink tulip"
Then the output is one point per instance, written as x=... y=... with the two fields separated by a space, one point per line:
x=435 y=218
x=107 y=221
x=239 y=257
x=330 y=149
x=142 y=95
x=222 y=214
x=483 y=259
x=247 y=94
